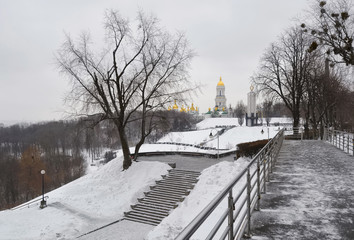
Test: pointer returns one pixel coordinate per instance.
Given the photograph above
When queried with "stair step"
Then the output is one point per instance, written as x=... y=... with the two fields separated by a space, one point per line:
x=162 y=200
x=166 y=193
x=183 y=171
x=176 y=185
x=159 y=203
x=142 y=220
x=152 y=210
x=172 y=187
x=169 y=190
x=150 y=206
x=145 y=214
x=185 y=177
x=181 y=174
x=168 y=197
x=179 y=181
x=163 y=197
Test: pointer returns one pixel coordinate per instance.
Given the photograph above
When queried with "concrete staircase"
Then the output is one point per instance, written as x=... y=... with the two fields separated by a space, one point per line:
x=163 y=197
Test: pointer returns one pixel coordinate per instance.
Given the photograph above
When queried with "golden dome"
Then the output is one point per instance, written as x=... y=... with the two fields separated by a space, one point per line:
x=175 y=107
x=220 y=83
x=192 y=108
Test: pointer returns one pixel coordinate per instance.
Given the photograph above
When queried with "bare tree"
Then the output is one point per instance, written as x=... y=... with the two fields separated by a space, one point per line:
x=138 y=73
x=332 y=26
x=284 y=70
x=240 y=112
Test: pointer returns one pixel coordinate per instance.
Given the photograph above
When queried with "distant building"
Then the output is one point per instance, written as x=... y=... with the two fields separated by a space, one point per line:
x=220 y=99
x=251 y=115
x=188 y=109
x=220 y=109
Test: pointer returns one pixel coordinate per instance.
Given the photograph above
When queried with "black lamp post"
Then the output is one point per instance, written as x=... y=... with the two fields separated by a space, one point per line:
x=43 y=202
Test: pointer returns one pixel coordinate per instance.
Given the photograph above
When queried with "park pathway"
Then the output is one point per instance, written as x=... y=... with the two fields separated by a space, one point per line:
x=310 y=194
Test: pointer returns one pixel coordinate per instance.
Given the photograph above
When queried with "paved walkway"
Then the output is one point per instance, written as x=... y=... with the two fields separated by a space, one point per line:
x=188 y=162
x=310 y=194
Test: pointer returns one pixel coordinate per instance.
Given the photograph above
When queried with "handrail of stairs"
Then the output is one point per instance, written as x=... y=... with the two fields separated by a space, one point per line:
x=243 y=192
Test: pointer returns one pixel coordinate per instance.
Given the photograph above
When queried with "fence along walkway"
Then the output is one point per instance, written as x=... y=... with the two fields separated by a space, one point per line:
x=310 y=194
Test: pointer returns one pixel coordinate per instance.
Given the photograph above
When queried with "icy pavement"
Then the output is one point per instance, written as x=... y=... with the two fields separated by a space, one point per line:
x=310 y=194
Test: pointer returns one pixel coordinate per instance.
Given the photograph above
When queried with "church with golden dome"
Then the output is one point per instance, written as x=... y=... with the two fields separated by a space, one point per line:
x=220 y=99
x=220 y=109
x=188 y=109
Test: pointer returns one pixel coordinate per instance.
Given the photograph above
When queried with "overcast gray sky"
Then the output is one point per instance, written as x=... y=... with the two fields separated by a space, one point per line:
x=228 y=36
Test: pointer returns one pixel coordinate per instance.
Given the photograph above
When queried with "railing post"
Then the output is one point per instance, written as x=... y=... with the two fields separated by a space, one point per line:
x=348 y=144
x=231 y=215
x=335 y=135
x=248 y=231
x=258 y=186
x=269 y=161
x=264 y=172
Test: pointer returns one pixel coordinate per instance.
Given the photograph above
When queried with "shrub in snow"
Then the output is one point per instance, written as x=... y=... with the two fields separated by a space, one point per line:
x=249 y=149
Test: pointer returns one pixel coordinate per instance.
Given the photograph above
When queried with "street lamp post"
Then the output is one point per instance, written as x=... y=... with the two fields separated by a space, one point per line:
x=268 y=131
x=43 y=202
x=211 y=135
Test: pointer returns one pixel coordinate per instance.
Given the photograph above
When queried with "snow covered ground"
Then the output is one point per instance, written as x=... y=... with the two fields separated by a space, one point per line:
x=83 y=205
x=213 y=122
x=102 y=196
x=227 y=141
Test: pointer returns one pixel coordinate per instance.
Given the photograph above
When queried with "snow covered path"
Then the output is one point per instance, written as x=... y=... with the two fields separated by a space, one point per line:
x=310 y=194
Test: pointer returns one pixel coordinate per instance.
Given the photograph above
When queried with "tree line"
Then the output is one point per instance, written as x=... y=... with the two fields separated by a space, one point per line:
x=304 y=70
x=61 y=148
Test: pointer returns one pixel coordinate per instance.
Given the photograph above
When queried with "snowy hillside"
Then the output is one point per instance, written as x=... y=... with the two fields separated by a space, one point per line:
x=85 y=204
x=228 y=140
x=102 y=196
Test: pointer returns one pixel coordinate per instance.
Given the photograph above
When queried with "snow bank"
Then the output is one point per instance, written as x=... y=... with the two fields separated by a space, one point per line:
x=191 y=137
x=213 y=122
x=85 y=204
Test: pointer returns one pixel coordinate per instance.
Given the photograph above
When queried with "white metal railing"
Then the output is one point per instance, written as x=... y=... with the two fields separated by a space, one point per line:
x=340 y=139
x=244 y=193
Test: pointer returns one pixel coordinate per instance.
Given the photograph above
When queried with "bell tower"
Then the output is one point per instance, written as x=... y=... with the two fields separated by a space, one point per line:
x=220 y=99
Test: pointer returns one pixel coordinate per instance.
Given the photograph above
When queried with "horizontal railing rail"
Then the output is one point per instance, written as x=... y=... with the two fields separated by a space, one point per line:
x=237 y=200
x=340 y=139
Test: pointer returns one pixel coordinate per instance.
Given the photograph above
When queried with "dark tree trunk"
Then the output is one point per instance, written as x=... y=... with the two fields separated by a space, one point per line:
x=125 y=147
